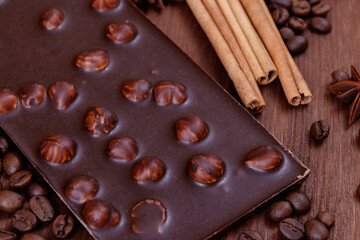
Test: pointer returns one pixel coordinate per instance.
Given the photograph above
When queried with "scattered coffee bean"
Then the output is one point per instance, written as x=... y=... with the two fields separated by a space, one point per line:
x=10 y=201
x=206 y=168
x=280 y=210
x=280 y=16
x=320 y=9
x=320 y=25
x=12 y=163
x=284 y=3
x=250 y=235
x=291 y=229
x=316 y=230
x=148 y=169
x=32 y=236
x=299 y=201
x=264 y=158
x=319 y=130
x=21 y=179
x=37 y=189
x=24 y=221
x=191 y=129
x=5 y=235
x=297 y=24
x=42 y=208
x=4 y=145
x=63 y=226
x=286 y=33
x=301 y=8
x=339 y=76
x=297 y=44
x=326 y=218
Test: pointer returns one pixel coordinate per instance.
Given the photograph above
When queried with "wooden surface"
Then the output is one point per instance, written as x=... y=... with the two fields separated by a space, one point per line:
x=335 y=164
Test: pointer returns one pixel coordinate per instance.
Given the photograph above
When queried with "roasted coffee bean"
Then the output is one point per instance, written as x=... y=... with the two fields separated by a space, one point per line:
x=21 y=179
x=4 y=145
x=291 y=229
x=301 y=8
x=8 y=100
x=136 y=90
x=104 y=5
x=100 y=121
x=319 y=130
x=297 y=44
x=5 y=235
x=123 y=148
x=284 y=3
x=320 y=9
x=280 y=16
x=51 y=19
x=316 y=230
x=32 y=236
x=93 y=60
x=148 y=169
x=81 y=188
x=12 y=163
x=264 y=158
x=37 y=189
x=63 y=225
x=280 y=210
x=24 y=220
x=313 y=2
x=320 y=25
x=62 y=94
x=167 y=92
x=339 y=76
x=206 y=168
x=99 y=214
x=299 y=201
x=286 y=33
x=32 y=95
x=58 y=149
x=42 y=208
x=297 y=24
x=10 y=201
x=121 y=33
x=326 y=218
x=250 y=235
x=191 y=129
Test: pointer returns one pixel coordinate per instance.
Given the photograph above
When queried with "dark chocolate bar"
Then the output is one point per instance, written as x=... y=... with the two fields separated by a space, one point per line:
x=133 y=136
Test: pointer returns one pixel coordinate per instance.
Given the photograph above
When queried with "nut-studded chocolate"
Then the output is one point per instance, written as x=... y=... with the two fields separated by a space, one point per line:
x=148 y=217
x=136 y=90
x=121 y=33
x=206 y=168
x=62 y=94
x=167 y=92
x=191 y=129
x=92 y=60
x=52 y=18
x=123 y=148
x=8 y=100
x=58 y=149
x=99 y=214
x=264 y=157
x=81 y=188
x=32 y=95
x=100 y=121
x=148 y=169
x=103 y=5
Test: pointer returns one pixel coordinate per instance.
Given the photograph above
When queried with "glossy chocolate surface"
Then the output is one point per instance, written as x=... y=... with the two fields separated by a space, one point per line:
x=31 y=53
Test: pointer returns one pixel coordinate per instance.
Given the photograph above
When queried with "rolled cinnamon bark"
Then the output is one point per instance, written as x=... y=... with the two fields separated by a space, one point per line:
x=257 y=45
x=242 y=85
x=277 y=52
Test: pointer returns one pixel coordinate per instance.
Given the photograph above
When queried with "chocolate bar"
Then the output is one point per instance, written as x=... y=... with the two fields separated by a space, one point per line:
x=135 y=138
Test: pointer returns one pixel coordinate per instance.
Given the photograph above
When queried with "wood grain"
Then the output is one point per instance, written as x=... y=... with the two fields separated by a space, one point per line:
x=335 y=164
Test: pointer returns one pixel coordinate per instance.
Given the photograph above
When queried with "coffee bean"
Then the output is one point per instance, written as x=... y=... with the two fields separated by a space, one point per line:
x=320 y=25
x=37 y=189
x=42 y=208
x=326 y=218
x=297 y=24
x=316 y=230
x=32 y=236
x=10 y=201
x=21 y=179
x=320 y=9
x=24 y=220
x=339 y=76
x=63 y=226
x=319 y=130
x=297 y=44
x=12 y=163
x=291 y=229
x=286 y=33
x=5 y=235
x=4 y=145
x=280 y=16
x=280 y=210
x=264 y=157
x=284 y=3
x=299 y=201
x=313 y=2
x=301 y=8
x=250 y=235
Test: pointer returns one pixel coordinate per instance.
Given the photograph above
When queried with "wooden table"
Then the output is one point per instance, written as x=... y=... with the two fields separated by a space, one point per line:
x=335 y=164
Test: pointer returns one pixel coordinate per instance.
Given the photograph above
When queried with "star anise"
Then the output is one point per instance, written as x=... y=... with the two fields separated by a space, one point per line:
x=158 y=3
x=348 y=91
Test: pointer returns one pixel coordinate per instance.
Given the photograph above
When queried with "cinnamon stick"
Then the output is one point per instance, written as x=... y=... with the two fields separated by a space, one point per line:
x=257 y=45
x=275 y=48
x=242 y=85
